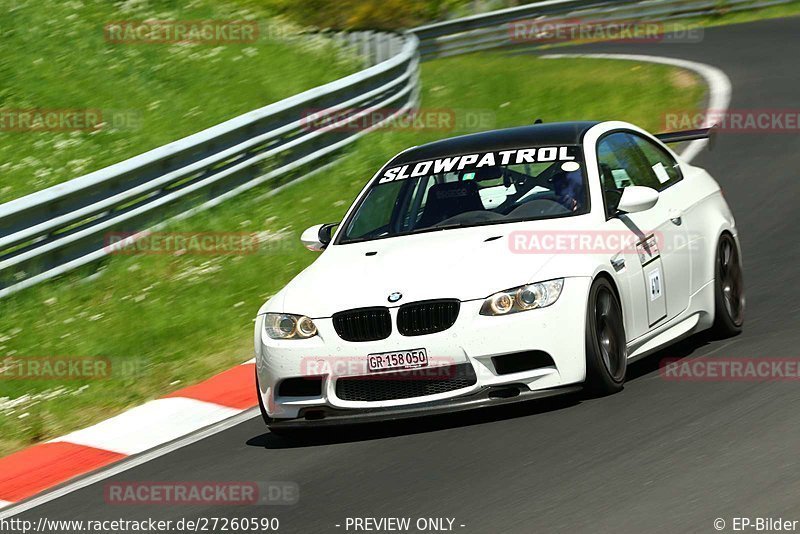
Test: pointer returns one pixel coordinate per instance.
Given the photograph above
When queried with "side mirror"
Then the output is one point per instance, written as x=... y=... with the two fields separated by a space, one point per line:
x=318 y=236
x=637 y=198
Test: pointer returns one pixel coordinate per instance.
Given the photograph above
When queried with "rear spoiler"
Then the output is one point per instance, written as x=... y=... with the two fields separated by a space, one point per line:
x=687 y=135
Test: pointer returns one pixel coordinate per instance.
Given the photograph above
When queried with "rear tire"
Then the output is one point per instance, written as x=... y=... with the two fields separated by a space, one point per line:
x=729 y=298
x=606 y=345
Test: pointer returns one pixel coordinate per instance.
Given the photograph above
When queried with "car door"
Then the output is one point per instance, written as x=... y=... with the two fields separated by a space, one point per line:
x=645 y=260
x=675 y=232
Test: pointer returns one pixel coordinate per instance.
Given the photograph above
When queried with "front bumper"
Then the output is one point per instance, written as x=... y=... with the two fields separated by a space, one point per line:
x=473 y=340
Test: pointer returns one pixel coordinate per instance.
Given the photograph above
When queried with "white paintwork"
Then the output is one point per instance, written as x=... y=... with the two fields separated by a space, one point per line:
x=3 y=503
x=688 y=264
x=674 y=332
x=344 y=275
x=637 y=198
x=149 y=425
x=460 y=263
x=310 y=238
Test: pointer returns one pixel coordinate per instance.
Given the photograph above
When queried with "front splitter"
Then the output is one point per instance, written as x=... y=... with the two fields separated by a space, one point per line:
x=322 y=416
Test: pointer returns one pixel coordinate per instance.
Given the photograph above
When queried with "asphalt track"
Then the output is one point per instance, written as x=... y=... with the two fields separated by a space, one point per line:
x=661 y=456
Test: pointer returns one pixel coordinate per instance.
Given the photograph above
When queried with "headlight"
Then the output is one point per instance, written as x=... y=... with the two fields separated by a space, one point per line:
x=530 y=297
x=288 y=326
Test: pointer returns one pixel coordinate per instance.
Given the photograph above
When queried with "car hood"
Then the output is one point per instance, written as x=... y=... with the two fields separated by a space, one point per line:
x=465 y=263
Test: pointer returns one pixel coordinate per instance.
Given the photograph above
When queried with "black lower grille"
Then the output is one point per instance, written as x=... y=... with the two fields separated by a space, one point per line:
x=306 y=386
x=406 y=384
x=427 y=317
x=363 y=324
x=522 y=361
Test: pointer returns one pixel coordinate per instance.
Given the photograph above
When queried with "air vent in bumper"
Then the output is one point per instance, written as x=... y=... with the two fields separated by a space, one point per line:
x=522 y=361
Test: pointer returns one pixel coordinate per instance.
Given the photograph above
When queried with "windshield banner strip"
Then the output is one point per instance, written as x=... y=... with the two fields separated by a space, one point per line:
x=518 y=156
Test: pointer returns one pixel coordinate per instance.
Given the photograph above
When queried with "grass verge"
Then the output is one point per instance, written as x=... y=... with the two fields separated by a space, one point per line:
x=56 y=55
x=789 y=9
x=177 y=319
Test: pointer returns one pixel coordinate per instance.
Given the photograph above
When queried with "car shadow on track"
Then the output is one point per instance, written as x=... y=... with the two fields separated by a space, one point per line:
x=434 y=423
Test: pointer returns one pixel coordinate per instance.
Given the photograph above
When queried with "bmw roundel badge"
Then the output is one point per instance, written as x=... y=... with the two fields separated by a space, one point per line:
x=394 y=297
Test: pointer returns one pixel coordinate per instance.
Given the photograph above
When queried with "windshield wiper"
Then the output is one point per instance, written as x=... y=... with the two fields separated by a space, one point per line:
x=440 y=227
x=421 y=231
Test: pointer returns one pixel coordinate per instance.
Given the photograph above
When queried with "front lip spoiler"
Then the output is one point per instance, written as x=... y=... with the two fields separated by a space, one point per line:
x=323 y=416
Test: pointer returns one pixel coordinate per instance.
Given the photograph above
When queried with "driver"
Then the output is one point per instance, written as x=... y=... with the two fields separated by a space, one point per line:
x=568 y=187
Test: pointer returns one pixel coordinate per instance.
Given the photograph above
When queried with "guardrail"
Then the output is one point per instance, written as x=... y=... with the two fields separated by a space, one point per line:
x=61 y=228
x=496 y=29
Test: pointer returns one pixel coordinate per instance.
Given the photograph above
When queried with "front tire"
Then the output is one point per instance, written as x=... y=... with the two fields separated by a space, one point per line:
x=729 y=298
x=606 y=345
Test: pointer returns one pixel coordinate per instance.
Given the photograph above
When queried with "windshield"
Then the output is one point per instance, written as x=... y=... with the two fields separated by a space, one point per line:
x=471 y=190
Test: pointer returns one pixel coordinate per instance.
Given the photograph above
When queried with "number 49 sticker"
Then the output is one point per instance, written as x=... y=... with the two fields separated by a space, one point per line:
x=654 y=279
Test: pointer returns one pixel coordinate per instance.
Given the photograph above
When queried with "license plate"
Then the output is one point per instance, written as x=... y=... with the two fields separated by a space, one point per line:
x=404 y=359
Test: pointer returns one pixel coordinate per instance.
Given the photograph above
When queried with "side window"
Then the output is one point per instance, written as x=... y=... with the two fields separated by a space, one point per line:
x=622 y=163
x=664 y=166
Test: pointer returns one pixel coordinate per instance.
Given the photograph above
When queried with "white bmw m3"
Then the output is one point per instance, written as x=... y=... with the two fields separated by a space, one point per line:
x=498 y=267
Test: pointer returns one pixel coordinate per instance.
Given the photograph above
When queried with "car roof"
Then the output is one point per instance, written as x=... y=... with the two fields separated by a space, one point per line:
x=556 y=133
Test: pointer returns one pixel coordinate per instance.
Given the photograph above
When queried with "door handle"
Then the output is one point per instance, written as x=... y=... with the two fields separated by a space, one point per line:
x=676 y=217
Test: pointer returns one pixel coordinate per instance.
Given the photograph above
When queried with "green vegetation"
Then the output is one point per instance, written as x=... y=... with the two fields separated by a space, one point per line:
x=736 y=17
x=401 y=14
x=374 y=14
x=56 y=55
x=177 y=319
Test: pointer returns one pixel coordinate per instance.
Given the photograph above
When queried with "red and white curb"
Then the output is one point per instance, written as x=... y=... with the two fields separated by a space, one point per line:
x=35 y=469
